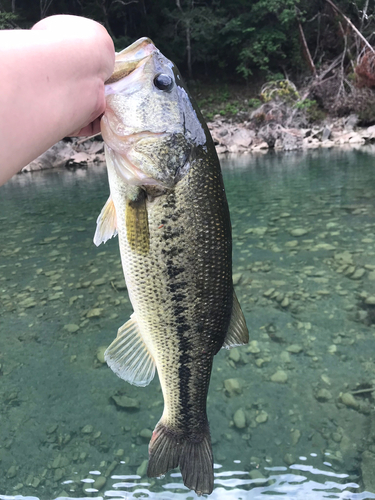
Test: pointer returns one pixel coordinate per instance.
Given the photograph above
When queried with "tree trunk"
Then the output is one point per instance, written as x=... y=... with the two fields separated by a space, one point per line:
x=188 y=49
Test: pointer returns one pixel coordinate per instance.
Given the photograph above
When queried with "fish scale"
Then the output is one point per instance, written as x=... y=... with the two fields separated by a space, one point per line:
x=169 y=208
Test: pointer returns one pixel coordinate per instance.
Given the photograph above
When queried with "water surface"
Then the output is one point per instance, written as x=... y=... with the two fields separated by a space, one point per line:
x=304 y=271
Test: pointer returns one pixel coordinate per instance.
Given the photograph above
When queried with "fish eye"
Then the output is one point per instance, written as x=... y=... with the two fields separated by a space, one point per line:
x=163 y=82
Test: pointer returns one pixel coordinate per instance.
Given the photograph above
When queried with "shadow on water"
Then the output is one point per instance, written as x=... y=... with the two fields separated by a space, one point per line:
x=291 y=413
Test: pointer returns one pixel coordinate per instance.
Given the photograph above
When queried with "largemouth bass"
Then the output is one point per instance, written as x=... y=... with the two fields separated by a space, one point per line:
x=167 y=204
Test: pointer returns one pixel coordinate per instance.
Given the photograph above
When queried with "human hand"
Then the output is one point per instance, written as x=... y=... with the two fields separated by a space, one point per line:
x=87 y=27
x=52 y=86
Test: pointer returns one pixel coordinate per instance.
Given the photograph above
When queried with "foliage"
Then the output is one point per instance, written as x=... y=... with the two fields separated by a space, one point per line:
x=228 y=40
x=284 y=90
x=7 y=20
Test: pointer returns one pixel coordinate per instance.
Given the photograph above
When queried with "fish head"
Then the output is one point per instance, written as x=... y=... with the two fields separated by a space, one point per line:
x=151 y=126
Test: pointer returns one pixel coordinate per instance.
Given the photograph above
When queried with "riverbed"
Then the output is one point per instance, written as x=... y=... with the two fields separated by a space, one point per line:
x=304 y=272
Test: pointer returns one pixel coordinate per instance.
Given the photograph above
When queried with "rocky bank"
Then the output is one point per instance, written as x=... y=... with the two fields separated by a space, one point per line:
x=229 y=137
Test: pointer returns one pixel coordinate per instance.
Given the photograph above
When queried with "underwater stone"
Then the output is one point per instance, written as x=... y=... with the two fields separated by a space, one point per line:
x=27 y=303
x=35 y=482
x=358 y=274
x=59 y=474
x=12 y=472
x=100 y=353
x=260 y=362
x=253 y=347
x=279 y=377
x=125 y=402
x=370 y=300
x=344 y=257
x=256 y=474
x=99 y=482
x=94 y=313
x=236 y=278
x=336 y=437
x=332 y=349
x=294 y=348
x=323 y=246
x=234 y=355
x=146 y=433
x=71 y=328
x=87 y=429
x=239 y=419
x=291 y=244
x=349 y=400
x=260 y=231
x=298 y=231
x=142 y=469
x=111 y=468
x=232 y=386
x=295 y=436
x=262 y=417
x=289 y=459
x=52 y=429
x=285 y=357
x=323 y=395
x=285 y=302
x=99 y=281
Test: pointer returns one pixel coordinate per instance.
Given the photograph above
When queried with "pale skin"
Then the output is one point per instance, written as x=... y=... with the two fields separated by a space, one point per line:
x=52 y=86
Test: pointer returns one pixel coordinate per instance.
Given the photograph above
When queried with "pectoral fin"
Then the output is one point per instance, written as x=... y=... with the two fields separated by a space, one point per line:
x=238 y=333
x=137 y=224
x=129 y=357
x=106 y=224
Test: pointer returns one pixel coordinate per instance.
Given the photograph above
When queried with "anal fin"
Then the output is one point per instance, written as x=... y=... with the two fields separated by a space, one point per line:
x=129 y=357
x=238 y=334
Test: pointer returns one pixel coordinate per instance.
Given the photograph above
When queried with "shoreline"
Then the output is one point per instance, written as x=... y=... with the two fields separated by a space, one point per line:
x=229 y=138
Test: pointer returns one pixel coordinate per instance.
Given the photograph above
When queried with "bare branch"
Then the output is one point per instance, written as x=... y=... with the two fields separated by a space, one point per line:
x=339 y=11
x=306 y=50
x=122 y=2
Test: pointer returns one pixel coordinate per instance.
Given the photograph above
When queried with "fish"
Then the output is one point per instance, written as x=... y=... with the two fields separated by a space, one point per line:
x=168 y=206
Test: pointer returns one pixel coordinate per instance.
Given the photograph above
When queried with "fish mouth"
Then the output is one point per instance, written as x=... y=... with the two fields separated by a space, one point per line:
x=131 y=58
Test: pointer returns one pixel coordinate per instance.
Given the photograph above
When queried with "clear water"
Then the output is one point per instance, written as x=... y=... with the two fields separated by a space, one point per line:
x=304 y=267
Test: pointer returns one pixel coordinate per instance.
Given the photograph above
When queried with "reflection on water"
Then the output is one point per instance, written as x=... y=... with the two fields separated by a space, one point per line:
x=291 y=414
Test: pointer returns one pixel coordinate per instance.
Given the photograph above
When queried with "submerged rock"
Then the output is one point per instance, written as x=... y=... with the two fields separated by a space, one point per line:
x=71 y=328
x=142 y=469
x=298 y=231
x=349 y=400
x=279 y=377
x=232 y=386
x=99 y=482
x=95 y=313
x=239 y=419
x=100 y=354
x=126 y=402
x=323 y=395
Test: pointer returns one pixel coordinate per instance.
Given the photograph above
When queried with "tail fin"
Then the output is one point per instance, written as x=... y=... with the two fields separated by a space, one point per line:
x=168 y=450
